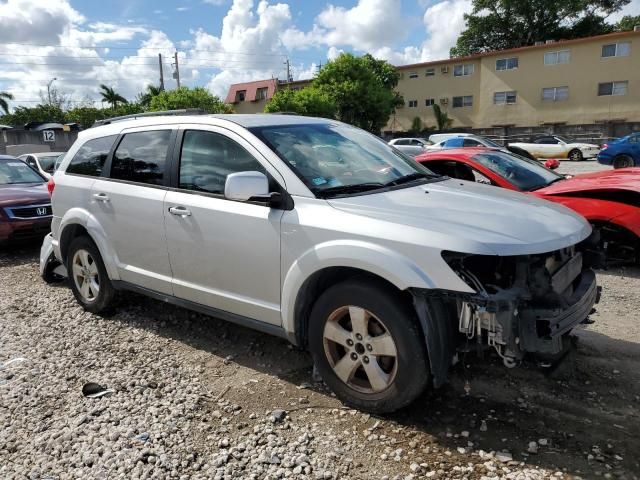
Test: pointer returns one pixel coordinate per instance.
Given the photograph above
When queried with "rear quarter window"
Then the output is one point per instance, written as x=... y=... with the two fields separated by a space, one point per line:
x=89 y=159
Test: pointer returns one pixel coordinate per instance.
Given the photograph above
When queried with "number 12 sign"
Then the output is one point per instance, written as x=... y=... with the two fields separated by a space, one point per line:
x=49 y=135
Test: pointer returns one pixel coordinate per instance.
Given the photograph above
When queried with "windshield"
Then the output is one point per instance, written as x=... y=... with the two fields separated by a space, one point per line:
x=47 y=162
x=15 y=171
x=566 y=139
x=58 y=161
x=523 y=173
x=336 y=158
x=491 y=143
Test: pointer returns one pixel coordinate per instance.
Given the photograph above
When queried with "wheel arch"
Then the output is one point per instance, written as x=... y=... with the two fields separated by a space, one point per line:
x=331 y=263
x=78 y=222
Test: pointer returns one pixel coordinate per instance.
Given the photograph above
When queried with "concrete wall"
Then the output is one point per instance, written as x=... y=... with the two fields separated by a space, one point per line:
x=17 y=142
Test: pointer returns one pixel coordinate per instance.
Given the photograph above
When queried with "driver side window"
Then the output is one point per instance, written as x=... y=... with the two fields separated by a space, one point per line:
x=207 y=158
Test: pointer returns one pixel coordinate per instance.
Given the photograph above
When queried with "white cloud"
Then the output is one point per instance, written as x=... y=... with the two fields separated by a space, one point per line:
x=215 y=2
x=632 y=9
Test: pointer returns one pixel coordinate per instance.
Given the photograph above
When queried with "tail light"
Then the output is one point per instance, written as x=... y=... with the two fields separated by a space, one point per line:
x=604 y=146
x=50 y=186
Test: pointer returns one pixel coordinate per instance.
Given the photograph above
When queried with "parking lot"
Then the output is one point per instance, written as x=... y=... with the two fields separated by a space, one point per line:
x=195 y=397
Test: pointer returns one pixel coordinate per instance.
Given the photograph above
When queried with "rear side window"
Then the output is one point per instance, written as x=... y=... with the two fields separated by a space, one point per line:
x=207 y=158
x=89 y=160
x=141 y=157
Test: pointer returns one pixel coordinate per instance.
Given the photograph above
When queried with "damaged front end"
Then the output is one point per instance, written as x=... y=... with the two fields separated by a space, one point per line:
x=522 y=305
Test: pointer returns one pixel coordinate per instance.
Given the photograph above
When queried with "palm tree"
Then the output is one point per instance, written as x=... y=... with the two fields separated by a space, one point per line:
x=110 y=96
x=442 y=118
x=144 y=98
x=4 y=106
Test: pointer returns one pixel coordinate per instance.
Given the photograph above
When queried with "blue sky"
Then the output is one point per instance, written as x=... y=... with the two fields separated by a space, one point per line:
x=82 y=43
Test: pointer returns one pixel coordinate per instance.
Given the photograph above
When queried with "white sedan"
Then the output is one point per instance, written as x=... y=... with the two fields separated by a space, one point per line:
x=555 y=146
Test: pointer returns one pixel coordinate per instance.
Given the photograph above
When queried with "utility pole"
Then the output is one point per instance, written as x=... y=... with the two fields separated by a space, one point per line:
x=161 y=73
x=289 y=79
x=318 y=68
x=176 y=74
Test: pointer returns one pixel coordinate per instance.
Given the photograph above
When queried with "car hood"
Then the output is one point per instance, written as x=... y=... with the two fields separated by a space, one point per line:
x=621 y=179
x=487 y=219
x=23 y=194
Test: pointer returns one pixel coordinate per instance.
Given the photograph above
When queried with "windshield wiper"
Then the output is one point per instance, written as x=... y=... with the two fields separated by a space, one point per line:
x=410 y=178
x=346 y=189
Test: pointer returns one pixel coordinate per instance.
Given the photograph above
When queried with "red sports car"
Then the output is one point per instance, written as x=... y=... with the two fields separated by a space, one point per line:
x=610 y=200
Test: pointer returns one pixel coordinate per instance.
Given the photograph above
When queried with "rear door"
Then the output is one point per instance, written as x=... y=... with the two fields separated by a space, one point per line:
x=224 y=254
x=127 y=202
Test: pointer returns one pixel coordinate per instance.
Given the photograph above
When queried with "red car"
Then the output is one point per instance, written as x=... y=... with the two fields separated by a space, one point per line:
x=610 y=200
x=25 y=205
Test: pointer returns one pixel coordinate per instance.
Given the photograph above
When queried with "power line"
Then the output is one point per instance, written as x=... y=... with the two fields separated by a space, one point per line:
x=119 y=47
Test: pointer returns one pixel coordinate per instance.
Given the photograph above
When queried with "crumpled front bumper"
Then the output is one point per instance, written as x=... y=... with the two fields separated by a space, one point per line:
x=541 y=330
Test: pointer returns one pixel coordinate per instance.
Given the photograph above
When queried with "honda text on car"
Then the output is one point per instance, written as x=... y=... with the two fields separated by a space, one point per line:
x=378 y=266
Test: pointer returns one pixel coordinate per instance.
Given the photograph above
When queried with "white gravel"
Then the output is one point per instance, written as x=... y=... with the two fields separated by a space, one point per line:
x=196 y=398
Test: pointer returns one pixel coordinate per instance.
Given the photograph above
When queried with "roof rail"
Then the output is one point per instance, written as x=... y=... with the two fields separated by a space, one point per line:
x=184 y=111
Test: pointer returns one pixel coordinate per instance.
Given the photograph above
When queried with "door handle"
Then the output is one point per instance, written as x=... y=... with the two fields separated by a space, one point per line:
x=180 y=211
x=101 y=197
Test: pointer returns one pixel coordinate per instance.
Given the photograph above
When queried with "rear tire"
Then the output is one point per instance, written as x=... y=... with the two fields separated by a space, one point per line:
x=368 y=347
x=623 y=161
x=575 y=155
x=88 y=276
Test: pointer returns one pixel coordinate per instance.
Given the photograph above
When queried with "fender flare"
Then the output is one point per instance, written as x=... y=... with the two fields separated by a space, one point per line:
x=378 y=260
x=79 y=216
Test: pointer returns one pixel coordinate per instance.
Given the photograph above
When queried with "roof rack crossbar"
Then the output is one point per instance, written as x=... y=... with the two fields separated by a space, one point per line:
x=184 y=111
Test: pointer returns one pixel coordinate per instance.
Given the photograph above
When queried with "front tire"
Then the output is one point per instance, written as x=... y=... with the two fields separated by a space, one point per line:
x=623 y=161
x=367 y=346
x=88 y=276
x=575 y=155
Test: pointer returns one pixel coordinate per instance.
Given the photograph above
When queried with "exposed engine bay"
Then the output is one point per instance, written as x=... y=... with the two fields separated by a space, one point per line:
x=522 y=305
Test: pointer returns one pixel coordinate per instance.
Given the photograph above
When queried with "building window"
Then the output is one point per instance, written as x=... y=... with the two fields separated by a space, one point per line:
x=555 y=94
x=622 y=49
x=413 y=74
x=504 y=98
x=557 y=58
x=466 y=101
x=413 y=103
x=507 y=63
x=463 y=70
x=261 y=94
x=240 y=94
x=429 y=102
x=612 y=88
x=430 y=72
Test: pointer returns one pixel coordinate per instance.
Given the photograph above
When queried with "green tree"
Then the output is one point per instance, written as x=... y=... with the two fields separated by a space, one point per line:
x=110 y=96
x=502 y=24
x=4 y=105
x=85 y=116
x=185 y=97
x=39 y=113
x=442 y=118
x=416 y=125
x=144 y=98
x=363 y=95
x=627 y=23
x=307 y=101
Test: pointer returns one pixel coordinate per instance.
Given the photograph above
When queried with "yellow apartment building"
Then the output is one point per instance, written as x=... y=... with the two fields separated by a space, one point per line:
x=587 y=81
x=578 y=82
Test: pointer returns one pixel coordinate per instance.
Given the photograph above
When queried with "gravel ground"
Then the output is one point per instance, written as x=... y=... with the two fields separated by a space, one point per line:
x=197 y=398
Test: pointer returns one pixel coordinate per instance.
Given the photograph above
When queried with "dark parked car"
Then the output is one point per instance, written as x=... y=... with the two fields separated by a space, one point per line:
x=25 y=205
x=621 y=153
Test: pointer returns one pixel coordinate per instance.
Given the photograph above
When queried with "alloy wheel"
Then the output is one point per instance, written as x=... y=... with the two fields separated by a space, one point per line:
x=360 y=349
x=85 y=275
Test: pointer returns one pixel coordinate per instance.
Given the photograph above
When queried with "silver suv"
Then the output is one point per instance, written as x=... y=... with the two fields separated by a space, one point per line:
x=321 y=233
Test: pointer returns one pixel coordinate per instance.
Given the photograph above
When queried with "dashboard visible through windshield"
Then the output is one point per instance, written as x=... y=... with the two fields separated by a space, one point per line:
x=336 y=159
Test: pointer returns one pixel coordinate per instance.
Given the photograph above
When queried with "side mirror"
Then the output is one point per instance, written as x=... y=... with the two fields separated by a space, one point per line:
x=245 y=186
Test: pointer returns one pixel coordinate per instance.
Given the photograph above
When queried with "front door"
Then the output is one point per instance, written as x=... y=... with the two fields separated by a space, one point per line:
x=128 y=205
x=224 y=254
